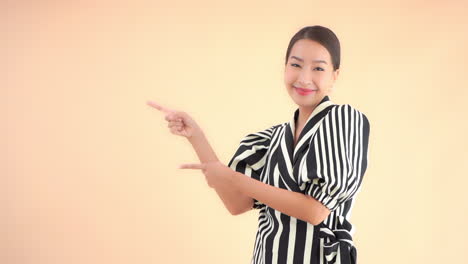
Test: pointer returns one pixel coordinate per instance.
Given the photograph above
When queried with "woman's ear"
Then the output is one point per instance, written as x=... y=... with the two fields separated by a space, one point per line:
x=335 y=74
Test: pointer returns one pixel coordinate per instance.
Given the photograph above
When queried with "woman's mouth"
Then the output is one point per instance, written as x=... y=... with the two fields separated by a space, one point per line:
x=303 y=91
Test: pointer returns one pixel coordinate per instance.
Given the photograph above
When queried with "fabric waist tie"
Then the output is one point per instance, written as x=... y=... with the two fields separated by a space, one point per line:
x=338 y=246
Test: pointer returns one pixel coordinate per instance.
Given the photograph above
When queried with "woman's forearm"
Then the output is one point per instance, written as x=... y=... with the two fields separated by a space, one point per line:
x=295 y=204
x=235 y=201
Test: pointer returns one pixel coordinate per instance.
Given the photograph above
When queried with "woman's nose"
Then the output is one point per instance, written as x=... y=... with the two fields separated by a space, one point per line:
x=304 y=82
x=305 y=78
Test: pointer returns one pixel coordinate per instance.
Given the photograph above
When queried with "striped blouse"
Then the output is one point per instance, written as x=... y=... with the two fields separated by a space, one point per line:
x=328 y=163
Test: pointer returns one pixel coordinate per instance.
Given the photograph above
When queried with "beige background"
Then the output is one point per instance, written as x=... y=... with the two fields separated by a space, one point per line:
x=89 y=171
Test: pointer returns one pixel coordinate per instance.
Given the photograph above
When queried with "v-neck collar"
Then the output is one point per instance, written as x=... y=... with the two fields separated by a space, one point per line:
x=320 y=110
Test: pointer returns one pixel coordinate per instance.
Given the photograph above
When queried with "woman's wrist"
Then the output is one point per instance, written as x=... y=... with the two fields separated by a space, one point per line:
x=196 y=137
x=202 y=147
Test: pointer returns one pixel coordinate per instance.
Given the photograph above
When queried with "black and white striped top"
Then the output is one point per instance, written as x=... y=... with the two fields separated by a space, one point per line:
x=328 y=163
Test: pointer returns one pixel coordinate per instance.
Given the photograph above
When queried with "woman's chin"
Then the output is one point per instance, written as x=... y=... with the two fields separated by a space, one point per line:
x=308 y=101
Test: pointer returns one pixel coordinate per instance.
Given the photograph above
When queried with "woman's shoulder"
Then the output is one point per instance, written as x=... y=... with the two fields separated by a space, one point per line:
x=265 y=133
x=344 y=112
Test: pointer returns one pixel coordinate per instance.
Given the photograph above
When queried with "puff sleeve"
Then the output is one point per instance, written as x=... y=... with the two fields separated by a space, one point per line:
x=251 y=155
x=337 y=158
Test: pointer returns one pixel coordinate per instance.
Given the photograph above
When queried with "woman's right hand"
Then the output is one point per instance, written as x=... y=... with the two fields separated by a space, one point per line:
x=180 y=122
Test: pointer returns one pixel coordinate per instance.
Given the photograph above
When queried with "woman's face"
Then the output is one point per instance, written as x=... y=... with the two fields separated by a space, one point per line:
x=309 y=67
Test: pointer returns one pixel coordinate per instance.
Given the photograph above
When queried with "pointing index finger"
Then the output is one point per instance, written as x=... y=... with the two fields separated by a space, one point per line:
x=158 y=106
x=191 y=166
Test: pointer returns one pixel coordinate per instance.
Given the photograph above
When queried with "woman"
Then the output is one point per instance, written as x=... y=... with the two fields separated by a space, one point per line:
x=303 y=174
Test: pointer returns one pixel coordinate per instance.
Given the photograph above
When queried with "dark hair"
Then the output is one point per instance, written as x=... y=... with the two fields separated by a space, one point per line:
x=322 y=35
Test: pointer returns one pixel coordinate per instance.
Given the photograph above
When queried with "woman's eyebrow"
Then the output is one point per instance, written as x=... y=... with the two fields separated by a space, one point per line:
x=300 y=59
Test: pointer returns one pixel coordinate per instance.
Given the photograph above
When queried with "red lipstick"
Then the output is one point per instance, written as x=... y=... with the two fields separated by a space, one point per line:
x=303 y=91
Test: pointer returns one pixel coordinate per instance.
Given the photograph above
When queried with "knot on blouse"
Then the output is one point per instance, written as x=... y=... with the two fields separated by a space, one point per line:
x=338 y=243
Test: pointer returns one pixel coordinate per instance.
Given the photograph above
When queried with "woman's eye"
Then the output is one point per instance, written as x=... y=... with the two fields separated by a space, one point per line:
x=294 y=65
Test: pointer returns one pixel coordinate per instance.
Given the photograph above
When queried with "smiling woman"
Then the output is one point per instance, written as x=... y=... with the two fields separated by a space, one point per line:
x=302 y=175
x=321 y=153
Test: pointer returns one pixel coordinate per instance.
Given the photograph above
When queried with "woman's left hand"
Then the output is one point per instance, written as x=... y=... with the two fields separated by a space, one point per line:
x=216 y=173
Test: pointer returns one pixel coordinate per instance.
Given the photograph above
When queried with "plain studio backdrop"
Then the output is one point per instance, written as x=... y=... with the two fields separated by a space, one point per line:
x=89 y=171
